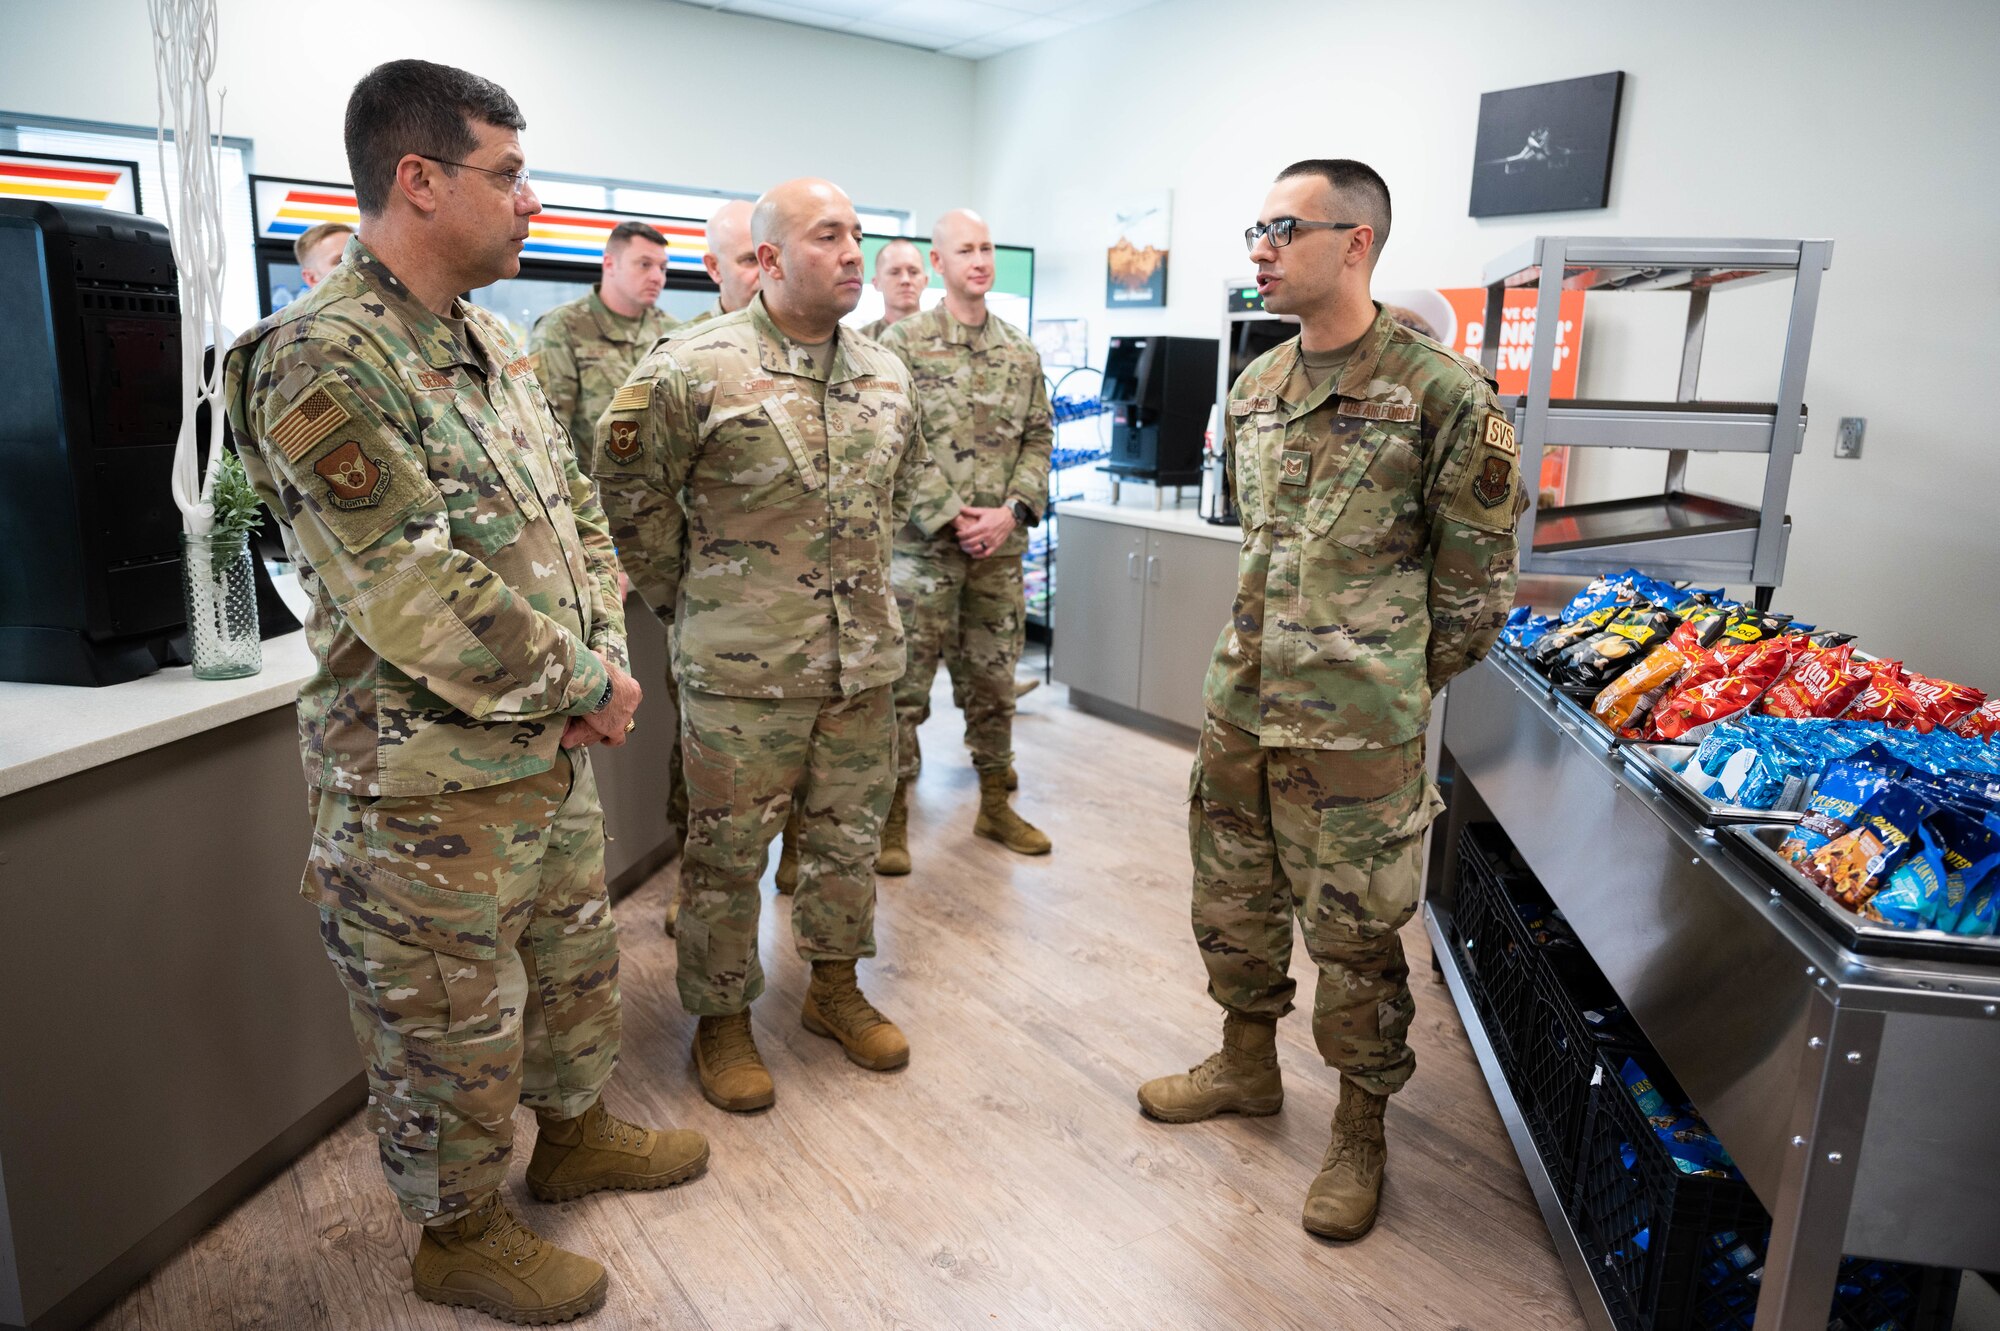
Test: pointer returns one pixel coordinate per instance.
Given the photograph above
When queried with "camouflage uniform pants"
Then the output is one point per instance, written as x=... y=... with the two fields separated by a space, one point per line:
x=947 y=598
x=474 y=935
x=1333 y=839
x=746 y=757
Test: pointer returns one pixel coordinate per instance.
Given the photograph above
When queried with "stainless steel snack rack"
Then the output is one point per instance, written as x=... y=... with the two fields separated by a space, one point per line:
x=1855 y=1091
x=1675 y=534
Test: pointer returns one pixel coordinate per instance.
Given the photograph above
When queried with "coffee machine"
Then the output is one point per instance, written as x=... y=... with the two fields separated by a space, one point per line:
x=1248 y=331
x=1159 y=390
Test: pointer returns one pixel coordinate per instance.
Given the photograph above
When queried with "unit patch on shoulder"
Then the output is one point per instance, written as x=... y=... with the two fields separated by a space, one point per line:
x=632 y=397
x=314 y=417
x=1499 y=436
x=353 y=479
x=1494 y=483
x=621 y=441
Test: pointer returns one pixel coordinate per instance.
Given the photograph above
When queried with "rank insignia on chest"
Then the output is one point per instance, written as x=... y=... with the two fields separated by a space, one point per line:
x=1494 y=482
x=632 y=397
x=622 y=442
x=1499 y=436
x=1294 y=466
x=353 y=479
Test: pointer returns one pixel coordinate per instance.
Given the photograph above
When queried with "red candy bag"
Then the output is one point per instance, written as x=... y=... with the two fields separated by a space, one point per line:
x=1982 y=724
x=1821 y=681
x=1946 y=703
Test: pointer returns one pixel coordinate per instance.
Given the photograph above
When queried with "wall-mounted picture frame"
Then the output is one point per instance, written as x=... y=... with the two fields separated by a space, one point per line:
x=1546 y=148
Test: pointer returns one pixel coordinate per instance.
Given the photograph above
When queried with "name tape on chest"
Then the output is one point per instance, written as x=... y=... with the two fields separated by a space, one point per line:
x=877 y=384
x=1248 y=405
x=315 y=417
x=633 y=397
x=433 y=380
x=1499 y=436
x=520 y=367
x=1379 y=411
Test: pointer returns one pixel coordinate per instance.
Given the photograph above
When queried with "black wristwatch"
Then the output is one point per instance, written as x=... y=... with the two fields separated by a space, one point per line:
x=1024 y=515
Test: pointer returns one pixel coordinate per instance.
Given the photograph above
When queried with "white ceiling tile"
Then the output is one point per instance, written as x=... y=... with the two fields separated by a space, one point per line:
x=848 y=9
x=1033 y=30
x=959 y=20
x=786 y=13
x=1090 y=11
x=1036 y=6
x=973 y=50
x=892 y=32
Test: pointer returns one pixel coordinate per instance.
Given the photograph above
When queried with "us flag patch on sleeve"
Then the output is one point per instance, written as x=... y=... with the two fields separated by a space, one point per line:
x=311 y=420
x=632 y=397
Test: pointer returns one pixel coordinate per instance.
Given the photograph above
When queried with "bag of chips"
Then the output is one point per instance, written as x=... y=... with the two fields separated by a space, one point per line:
x=1851 y=867
x=1821 y=681
x=1700 y=626
x=1602 y=657
x=1890 y=700
x=1946 y=703
x=1747 y=625
x=1626 y=701
x=1981 y=724
x=1968 y=852
x=1565 y=636
x=1749 y=670
x=1836 y=803
x=1524 y=627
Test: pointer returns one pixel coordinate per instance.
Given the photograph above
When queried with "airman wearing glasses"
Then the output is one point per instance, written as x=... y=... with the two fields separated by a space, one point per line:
x=1377 y=481
x=471 y=647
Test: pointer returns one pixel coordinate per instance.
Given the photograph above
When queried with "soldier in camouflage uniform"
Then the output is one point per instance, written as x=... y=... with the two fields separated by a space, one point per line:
x=754 y=467
x=470 y=646
x=900 y=277
x=986 y=415
x=1376 y=478
x=583 y=350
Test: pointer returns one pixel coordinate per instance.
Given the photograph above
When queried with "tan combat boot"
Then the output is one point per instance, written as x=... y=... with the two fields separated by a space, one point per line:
x=673 y=921
x=489 y=1261
x=835 y=1008
x=1024 y=687
x=1239 y=1078
x=787 y=877
x=1013 y=779
x=726 y=1061
x=1341 y=1202
x=598 y=1150
x=997 y=821
x=894 y=857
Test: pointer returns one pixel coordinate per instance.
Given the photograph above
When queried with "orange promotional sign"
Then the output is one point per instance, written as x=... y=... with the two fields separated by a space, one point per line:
x=1456 y=316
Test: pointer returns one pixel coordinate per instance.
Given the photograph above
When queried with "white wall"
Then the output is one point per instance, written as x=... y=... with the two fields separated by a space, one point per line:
x=638 y=89
x=1875 y=125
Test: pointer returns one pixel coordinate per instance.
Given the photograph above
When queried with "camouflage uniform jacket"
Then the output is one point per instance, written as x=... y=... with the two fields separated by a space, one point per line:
x=460 y=570
x=874 y=331
x=757 y=521
x=985 y=409
x=582 y=353
x=1378 y=541
x=712 y=312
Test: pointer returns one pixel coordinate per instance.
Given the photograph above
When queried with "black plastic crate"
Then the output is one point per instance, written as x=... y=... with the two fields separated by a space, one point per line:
x=1678 y=1252
x=1492 y=940
x=1558 y=1056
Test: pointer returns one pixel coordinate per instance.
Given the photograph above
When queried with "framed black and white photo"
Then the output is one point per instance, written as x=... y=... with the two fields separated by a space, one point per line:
x=1546 y=148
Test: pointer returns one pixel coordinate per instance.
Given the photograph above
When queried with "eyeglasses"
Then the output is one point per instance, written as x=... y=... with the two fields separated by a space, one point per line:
x=517 y=181
x=1279 y=230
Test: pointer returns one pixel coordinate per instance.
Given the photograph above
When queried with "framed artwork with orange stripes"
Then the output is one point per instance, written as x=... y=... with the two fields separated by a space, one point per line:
x=94 y=181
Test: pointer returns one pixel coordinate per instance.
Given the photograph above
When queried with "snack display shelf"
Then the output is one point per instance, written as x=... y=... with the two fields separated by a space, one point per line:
x=1850 y=1088
x=1759 y=843
x=1662 y=765
x=1673 y=534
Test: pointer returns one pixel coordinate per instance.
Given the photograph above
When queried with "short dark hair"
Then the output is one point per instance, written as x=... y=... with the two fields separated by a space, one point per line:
x=1360 y=188
x=414 y=106
x=625 y=231
x=306 y=240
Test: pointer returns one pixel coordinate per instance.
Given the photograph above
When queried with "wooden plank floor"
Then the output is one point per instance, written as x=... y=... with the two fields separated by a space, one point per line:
x=1005 y=1179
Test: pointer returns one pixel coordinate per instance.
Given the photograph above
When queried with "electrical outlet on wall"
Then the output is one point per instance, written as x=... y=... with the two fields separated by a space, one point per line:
x=1847 y=439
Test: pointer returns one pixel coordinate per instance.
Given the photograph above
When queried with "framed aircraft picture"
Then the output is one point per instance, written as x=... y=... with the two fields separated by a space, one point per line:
x=1546 y=148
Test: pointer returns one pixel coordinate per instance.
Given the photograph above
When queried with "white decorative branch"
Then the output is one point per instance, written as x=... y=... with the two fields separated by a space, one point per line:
x=184 y=42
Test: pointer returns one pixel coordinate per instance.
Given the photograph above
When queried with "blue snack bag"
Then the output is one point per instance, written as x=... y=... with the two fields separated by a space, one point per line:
x=1969 y=851
x=1836 y=802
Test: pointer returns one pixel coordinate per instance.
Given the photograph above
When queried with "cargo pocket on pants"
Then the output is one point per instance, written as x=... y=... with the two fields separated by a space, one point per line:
x=406 y=1131
x=1370 y=853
